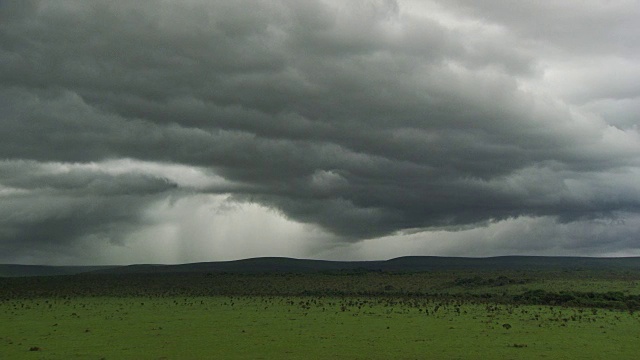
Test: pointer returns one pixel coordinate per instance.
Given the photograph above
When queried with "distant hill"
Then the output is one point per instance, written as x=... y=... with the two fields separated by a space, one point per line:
x=289 y=265
x=12 y=270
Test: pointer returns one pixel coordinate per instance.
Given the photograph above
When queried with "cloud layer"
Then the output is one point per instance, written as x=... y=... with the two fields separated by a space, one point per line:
x=361 y=119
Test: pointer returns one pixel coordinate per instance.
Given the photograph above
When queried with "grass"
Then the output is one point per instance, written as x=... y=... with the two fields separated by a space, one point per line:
x=339 y=315
x=293 y=327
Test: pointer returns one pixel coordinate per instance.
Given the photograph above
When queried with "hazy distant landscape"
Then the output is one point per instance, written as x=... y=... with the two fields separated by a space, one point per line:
x=279 y=265
x=411 y=307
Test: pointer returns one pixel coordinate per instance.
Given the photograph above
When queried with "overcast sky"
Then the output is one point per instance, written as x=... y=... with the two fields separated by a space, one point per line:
x=197 y=130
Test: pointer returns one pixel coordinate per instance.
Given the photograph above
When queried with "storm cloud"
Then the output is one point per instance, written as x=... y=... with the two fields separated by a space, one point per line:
x=346 y=123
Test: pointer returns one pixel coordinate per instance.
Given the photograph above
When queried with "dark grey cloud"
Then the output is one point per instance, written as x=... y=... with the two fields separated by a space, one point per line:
x=365 y=118
x=46 y=208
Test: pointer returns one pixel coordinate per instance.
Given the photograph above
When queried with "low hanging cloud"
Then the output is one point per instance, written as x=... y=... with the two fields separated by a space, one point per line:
x=359 y=120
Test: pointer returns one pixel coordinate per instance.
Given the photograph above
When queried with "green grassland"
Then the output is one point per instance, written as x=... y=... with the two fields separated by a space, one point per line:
x=308 y=328
x=336 y=315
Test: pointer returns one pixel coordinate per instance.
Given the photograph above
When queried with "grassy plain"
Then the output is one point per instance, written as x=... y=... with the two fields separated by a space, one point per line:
x=446 y=315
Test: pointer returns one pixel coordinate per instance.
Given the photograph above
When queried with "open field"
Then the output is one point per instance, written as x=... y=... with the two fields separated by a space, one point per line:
x=308 y=328
x=354 y=314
